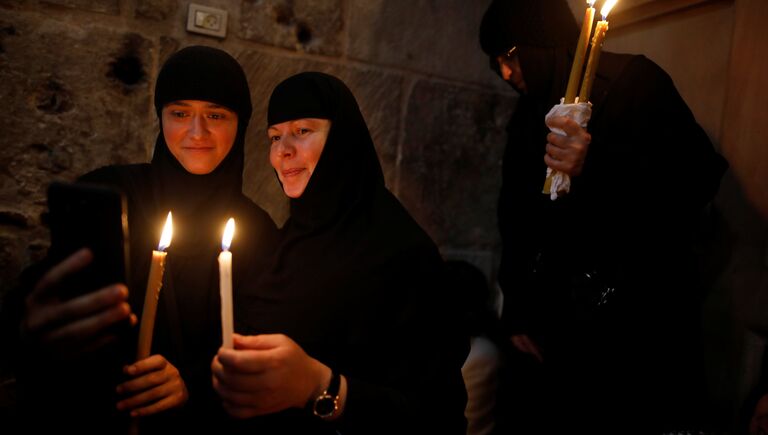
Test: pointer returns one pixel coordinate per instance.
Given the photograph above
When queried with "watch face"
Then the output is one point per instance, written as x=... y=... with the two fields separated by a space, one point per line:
x=325 y=406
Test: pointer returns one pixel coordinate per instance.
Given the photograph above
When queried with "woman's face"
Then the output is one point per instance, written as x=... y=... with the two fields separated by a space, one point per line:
x=510 y=71
x=295 y=151
x=199 y=133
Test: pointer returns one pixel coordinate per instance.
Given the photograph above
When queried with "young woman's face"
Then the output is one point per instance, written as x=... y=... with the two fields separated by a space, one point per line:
x=295 y=151
x=199 y=133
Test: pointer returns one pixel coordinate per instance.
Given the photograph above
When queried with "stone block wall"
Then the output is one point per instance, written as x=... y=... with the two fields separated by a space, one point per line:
x=77 y=78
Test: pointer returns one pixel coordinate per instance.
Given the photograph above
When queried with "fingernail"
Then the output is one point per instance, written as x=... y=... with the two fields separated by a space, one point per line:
x=121 y=291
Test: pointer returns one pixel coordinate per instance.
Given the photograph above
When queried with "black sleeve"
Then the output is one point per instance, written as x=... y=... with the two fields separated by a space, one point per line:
x=420 y=388
x=654 y=157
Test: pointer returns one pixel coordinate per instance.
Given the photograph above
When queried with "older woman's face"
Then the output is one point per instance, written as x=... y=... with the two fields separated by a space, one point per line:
x=295 y=151
x=199 y=133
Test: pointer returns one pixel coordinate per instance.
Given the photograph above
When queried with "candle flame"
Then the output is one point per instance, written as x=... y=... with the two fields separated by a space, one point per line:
x=229 y=231
x=165 y=238
x=591 y=3
x=607 y=6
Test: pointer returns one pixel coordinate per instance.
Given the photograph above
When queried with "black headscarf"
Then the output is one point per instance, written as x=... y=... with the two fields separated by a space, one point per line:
x=206 y=74
x=349 y=168
x=355 y=277
x=544 y=32
x=540 y=23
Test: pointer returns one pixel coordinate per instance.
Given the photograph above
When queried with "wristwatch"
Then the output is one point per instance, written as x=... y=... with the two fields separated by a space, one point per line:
x=326 y=405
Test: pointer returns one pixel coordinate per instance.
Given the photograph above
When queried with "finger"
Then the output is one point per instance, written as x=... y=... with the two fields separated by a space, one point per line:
x=144 y=398
x=553 y=163
x=88 y=328
x=517 y=343
x=77 y=308
x=236 y=381
x=557 y=141
x=77 y=261
x=568 y=125
x=144 y=382
x=532 y=348
x=555 y=153
x=149 y=364
x=246 y=383
x=535 y=351
x=245 y=361
x=161 y=405
x=258 y=342
x=238 y=398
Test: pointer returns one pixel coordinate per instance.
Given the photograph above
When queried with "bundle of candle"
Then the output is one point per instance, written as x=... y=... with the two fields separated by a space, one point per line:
x=579 y=108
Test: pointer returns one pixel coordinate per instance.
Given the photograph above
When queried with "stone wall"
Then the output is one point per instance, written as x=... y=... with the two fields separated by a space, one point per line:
x=76 y=83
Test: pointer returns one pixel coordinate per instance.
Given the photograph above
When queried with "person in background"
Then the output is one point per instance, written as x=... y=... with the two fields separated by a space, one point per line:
x=481 y=369
x=600 y=291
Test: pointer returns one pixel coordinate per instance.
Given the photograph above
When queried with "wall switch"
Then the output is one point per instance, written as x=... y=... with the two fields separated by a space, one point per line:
x=207 y=20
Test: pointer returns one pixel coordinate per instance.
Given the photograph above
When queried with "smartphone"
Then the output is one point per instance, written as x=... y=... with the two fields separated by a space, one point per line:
x=93 y=216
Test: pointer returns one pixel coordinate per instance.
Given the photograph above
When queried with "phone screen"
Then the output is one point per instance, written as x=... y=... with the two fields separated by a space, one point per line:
x=93 y=216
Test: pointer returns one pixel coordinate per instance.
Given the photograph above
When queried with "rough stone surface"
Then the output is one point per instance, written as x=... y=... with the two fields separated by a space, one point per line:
x=80 y=99
x=437 y=37
x=312 y=26
x=450 y=173
x=377 y=93
x=104 y=6
x=156 y=9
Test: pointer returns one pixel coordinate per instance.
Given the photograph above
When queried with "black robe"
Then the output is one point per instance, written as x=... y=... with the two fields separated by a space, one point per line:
x=604 y=278
x=357 y=284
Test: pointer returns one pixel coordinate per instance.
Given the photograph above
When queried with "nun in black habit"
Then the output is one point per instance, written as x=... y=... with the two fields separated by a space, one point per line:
x=203 y=103
x=350 y=311
x=600 y=286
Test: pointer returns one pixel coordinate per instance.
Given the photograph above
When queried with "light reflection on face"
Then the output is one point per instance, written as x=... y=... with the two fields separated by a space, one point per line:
x=199 y=134
x=295 y=149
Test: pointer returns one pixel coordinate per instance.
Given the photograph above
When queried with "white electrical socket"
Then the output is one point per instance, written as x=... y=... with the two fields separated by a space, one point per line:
x=207 y=20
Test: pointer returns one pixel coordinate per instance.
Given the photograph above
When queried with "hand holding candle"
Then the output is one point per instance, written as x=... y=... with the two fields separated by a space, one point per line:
x=594 y=52
x=225 y=285
x=581 y=51
x=154 y=283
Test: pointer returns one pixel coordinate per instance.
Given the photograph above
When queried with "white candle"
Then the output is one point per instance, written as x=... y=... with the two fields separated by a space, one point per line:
x=225 y=285
x=154 y=283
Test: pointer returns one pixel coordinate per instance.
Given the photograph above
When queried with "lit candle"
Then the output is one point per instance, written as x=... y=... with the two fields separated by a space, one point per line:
x=594 y=52
x=581 y=51
x=225 y=285
x=154 y=283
